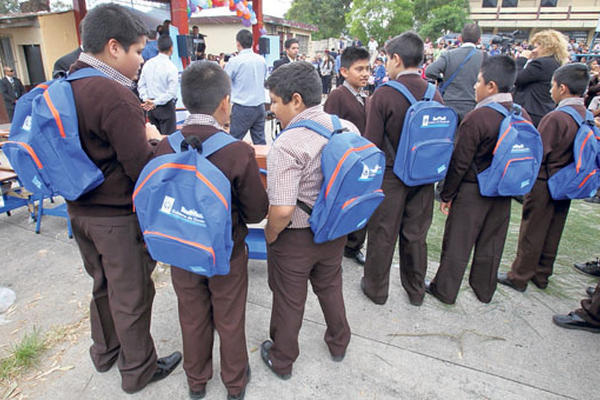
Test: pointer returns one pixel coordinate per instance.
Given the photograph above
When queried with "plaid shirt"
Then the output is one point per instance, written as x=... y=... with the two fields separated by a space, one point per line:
x=294 y=164
x=203 y=119
x=107 y=70
x=360 y=96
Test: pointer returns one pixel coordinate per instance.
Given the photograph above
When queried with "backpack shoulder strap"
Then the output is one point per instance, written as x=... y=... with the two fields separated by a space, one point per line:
x=429 y=92
x=175 y=139
x=402 y=89
x=498 y=107
x=573 y=113
x=313 y=126
x=216 y=142
x=337 y=125
x=449 y=81
x=84 y=73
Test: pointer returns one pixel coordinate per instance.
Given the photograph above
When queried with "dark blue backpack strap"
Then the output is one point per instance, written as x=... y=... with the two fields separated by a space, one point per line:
x=216 y=142
x=175 y=139
x=430 y=92
x=573 y=113
x=85 y=73
x=449 y=80
x=498 y=107
x=313 y=126
x=402 y=89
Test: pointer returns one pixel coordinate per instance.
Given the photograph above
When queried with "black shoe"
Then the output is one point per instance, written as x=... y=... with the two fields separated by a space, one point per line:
x=197 y=395
x=574 y=321
x=590 y=267
x=339 y=358
x=357 y=256
x=164 y=367
x=540 y=285
x=590 y=291
x=594 y=199
x=428 y=287
x=243 y=392
x=504 y=280
x=362 y=287
x=265 y=347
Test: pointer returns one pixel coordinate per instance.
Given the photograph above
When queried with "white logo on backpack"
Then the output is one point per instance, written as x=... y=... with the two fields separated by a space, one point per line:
x=167 y=204
x=27 y=123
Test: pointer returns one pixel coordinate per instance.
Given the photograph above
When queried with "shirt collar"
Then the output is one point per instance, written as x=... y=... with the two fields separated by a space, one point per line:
x=408 y=73
x=571 y=101
x=249 y=50
x=203 y=119
x=359 y=93
x=106 y=69
x=468 y=44
x=495 y=98
x=306 y=114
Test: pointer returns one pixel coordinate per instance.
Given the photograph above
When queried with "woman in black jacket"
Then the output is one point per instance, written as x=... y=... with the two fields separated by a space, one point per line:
x=532 y=87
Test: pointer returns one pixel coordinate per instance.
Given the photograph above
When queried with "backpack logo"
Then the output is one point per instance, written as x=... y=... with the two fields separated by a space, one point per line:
x=368 y=174
x=27 y=123
x=425 y=120
x=519 y=148
x=167 y=205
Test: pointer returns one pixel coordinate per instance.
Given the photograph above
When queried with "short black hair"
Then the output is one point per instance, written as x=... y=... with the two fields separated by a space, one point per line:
x=470 y=33
x=351 y=54
x=195 y=27
x=164 y=43
x=204 y=84
x=409 y=47
x=297 y=77
x=152 y=35
x=575 y=77
x=288 y=43
x=111 y=21
x=244 y=38
x=499 y=69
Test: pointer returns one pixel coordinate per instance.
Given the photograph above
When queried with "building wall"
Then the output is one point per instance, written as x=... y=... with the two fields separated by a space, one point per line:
x=18 y=38
x=220 y=38
x=59 y=36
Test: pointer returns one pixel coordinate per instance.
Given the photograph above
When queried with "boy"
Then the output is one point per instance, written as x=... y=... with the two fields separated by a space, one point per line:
x=294 y=165
x=219 y=302
x=405 y=211
x=348 y=101
x=113 y=133
x=544 y=218
x=475 y=220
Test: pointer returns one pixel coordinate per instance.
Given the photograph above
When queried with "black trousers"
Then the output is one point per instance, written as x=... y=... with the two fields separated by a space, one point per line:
x=164 y=118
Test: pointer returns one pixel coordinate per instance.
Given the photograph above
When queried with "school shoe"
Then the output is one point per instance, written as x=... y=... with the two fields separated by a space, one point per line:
x=504 y=280
x=357 y=256
x=197 y=394
x=574 y=321
x=539 y=284
x=164 y=367
x=339 y=358
x=362 y=287
x=589 y=267
x=429 y=289
x=595 y=200
x=265 y=347
x=241 y=395
x=590 y=291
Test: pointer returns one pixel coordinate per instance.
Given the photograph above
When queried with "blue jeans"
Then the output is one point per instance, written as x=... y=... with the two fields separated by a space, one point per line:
x=252 y=118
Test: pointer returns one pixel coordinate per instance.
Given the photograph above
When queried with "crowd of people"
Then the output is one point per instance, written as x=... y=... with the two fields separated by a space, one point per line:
x=230 y=97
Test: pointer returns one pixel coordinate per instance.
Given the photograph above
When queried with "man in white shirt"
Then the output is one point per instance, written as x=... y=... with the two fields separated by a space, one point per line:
x=158 y=87
x=372 y=45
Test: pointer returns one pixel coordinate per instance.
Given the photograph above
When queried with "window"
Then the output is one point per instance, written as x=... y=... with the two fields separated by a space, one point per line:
x=509 y=3
x=489 y=3
x=548 y=3
x=6 y=54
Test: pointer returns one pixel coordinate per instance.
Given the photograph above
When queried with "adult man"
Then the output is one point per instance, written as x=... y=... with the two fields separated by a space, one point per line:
x=199 y=44
x=372 y=46
x=459 y=93
x=158 y=87
x=291 y=52
x=11 y=88
x=247 y=72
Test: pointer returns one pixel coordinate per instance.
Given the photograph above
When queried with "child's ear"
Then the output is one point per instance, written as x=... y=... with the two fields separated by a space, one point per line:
x=344 y=72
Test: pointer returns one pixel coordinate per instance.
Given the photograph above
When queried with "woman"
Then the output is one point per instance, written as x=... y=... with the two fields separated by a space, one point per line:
x=326 y=69
x=532 y=87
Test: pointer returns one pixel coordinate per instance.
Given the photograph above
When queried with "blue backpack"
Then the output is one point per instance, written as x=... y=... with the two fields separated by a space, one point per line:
x=427 y=138
x=581 y=178
x=44 y=147
x=183 y=204
x=517 y=156
x=352 y=176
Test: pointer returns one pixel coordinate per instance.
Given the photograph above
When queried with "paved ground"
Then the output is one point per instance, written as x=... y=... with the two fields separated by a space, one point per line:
x=508 y=349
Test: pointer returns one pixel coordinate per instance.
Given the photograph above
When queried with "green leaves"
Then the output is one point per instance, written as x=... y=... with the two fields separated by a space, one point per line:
x=328 y=15
x=379 y=18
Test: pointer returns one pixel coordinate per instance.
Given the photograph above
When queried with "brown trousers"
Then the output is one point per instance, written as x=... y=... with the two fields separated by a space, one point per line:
x=542 y=225
x=114 y=255
x=473 y=221
x=206 y=304
x=405 y=212
x=294 y=259
x=590 y=308
x=355 y=241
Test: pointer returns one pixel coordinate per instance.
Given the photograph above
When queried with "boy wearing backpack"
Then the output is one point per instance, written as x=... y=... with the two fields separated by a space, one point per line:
x=543 y=217
x=113 y=133
x=218 y=302
x=294 y=174
x=475 y=221
x=348 y=101
x=406 y=211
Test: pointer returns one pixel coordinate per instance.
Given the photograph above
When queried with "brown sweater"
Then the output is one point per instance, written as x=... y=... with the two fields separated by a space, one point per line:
x=385 y=114
x=476 y=139
x=558 y=132
x=113 y=134
x=345 y=105
x=249 y=202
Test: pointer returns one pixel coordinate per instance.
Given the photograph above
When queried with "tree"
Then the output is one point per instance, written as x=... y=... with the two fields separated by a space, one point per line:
x=379 y=18
x=328 y=15
x=9 y=6
x=435 y=18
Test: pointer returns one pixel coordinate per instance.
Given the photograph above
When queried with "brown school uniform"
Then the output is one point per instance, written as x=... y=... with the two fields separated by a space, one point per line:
x=219 y=302
x=346 y=105
x=474 y=220
x=113 y=134
x=294 y=258
x=406 y=211
x=543 y=218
